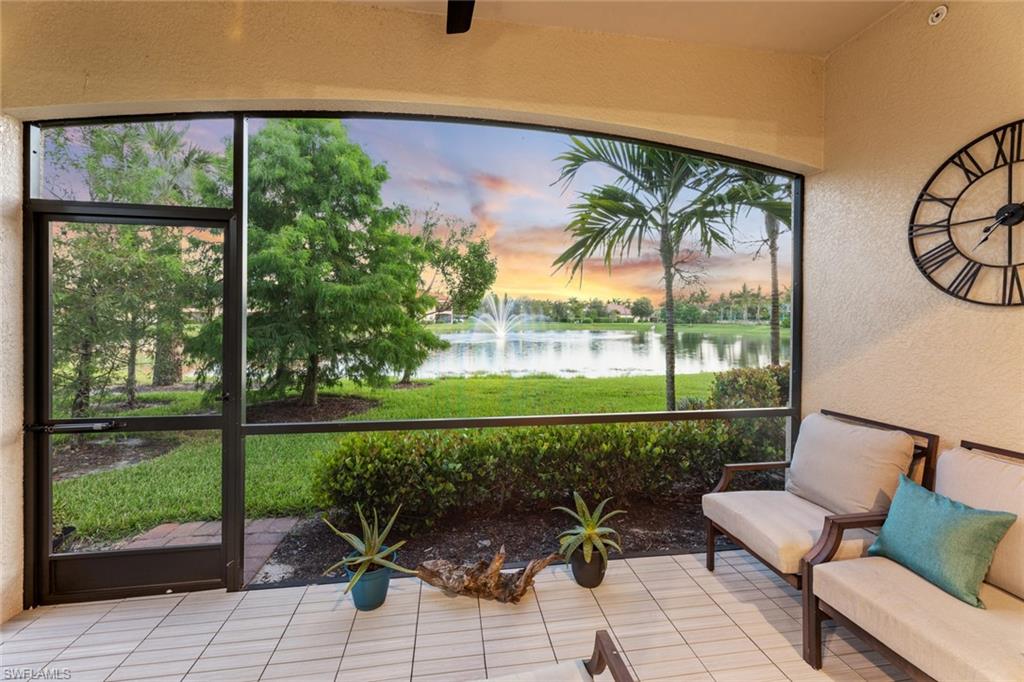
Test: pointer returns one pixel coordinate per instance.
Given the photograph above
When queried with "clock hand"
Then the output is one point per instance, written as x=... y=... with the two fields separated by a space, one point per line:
x=972 y=220
x=987 y=232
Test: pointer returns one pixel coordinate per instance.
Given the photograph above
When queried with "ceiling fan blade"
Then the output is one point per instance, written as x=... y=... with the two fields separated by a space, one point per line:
x=460 y=15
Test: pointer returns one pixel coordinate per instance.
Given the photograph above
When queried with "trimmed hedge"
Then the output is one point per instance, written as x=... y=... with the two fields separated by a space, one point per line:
x=434 y=473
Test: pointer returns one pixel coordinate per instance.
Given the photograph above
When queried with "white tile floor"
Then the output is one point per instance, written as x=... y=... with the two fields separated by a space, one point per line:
x=672 y=619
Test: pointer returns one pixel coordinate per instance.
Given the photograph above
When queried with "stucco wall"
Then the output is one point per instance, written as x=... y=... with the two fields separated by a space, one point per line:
x=75 y=58
x=11 y=546
x=880 y=340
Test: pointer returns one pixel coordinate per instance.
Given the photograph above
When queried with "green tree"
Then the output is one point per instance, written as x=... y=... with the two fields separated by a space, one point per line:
x=661 y=198
x=642 y=308
x=595 y=309
x=86 y=336
x=460 y=269
x=576 y=308
x=457 y=273
x=559 y=311
x=772 y=196
x=149 y=163
x=333 y=283
x=687 y=313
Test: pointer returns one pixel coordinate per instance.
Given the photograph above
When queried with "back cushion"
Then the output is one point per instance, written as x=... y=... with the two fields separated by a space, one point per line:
x=986 y=481
x=847 y=468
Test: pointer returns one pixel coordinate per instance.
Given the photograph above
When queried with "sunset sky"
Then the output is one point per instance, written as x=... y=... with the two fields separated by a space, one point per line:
x=500 y=179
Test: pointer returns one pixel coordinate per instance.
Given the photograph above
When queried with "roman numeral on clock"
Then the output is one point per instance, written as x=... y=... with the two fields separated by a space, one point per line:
x=935 y=257
x=1009 y=144
x=1013 y=290
x=964 y=280
x=927 y=229
x=969 y=165
x=945 y=201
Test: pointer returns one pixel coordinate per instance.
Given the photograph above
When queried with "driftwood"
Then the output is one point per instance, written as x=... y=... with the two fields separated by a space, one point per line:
x=483 y=579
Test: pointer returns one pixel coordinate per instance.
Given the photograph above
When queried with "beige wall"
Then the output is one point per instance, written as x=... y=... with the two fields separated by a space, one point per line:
x=11 y=546
x=85 y=58
x=880 y=340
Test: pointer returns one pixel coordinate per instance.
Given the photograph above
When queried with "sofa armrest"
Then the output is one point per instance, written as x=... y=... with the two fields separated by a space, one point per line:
x=730 y=470
x=606 y=655
x=832 y=534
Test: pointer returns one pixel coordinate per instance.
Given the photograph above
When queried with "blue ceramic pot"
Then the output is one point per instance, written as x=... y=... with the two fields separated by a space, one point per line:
x=372 y=589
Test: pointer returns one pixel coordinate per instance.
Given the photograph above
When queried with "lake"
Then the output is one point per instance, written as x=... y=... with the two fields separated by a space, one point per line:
x=595 y=353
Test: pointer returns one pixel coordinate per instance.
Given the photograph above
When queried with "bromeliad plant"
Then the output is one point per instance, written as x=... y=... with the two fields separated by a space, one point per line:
x=370 y=550
x=580 y=541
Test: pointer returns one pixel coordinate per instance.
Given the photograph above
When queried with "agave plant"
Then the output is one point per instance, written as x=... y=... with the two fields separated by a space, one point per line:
x=370 y=550
x=591 y=531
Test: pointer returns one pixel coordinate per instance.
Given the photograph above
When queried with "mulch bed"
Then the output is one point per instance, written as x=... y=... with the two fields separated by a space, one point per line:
x=328 y=408
x=74 y=458
x=673 y=525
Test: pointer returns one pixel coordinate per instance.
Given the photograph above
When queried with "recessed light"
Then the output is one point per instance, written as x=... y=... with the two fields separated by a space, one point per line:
x=937 y=15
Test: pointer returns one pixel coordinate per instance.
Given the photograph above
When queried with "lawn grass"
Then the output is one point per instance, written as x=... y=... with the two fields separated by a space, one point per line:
x=492 y=396
x=184 y=485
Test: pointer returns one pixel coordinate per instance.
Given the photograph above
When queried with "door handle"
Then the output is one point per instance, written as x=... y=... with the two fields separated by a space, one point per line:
x=79 y=427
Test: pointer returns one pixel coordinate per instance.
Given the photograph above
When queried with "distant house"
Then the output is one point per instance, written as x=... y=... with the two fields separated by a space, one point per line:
x=440 y=317
x=619 y=310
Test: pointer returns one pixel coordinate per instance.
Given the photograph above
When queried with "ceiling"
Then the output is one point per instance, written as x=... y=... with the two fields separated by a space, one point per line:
x=809 y=27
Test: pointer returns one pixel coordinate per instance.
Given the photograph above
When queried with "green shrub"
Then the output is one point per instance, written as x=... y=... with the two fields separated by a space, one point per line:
x=434 y=473
x=746 y=440
x=781 y=374
x=750 y=387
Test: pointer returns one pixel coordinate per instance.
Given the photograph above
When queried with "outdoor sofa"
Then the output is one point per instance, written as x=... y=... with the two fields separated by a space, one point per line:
x=841 y=464
x=927 y=632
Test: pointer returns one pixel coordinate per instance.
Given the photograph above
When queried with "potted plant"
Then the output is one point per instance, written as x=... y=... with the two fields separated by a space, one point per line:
x=369 y=567
x=577 y=544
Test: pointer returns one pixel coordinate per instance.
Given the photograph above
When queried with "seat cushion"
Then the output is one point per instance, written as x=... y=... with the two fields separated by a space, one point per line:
x=778 y=526
x=986 y=481
x=848 y=468
x=935 y=631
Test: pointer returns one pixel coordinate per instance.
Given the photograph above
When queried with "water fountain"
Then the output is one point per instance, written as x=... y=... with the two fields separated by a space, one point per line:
x=498 y=316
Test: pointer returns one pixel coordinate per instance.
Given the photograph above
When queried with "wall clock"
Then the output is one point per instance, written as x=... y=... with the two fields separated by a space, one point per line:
x=967 y=229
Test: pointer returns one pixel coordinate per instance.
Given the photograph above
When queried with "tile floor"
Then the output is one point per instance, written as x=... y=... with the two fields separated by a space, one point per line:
x=672 y=619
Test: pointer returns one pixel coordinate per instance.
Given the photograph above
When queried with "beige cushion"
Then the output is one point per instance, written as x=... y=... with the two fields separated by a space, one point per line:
x=986 y=481
x=847 y=468
x=941 y=635
x=777 y=526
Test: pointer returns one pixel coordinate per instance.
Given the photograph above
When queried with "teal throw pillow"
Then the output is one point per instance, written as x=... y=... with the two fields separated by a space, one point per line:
x=944 y=541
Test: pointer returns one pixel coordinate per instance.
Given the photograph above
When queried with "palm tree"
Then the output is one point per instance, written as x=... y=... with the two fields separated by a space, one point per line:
x=660 y=198
x=766 y=192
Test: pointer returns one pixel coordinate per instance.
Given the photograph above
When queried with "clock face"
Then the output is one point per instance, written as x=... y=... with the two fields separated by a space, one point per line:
x=967 y=229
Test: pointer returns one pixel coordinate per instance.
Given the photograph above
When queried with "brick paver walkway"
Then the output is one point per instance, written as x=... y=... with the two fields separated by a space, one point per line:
x=261 y=538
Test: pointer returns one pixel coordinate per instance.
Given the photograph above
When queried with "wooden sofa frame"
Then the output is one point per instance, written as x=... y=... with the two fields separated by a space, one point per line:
x=606 y=655
x=816 y=611
x=927 y=449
